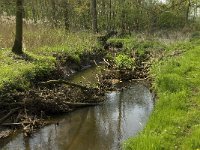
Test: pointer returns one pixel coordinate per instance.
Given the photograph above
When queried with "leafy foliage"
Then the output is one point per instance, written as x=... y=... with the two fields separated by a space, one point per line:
x=124 y=62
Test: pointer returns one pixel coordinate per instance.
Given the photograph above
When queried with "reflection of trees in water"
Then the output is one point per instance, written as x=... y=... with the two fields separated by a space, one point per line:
x=45 y=139
x=140 y=98
x=120 y=117
x=26 y=143
x=106 y=122
x=79 y=126
x=101 y=127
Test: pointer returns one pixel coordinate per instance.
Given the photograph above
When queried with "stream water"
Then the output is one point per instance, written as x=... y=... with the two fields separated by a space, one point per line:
x=102 y=127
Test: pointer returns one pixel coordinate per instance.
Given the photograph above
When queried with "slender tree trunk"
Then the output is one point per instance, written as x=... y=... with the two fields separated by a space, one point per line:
x=94 y=15
x=54 y=13
x=110 y=14
x=33 y=12
x=66 y=15
x=103 y=15
x=123 y=17
x=137 y=21
x=187 y=11
x=17 y=48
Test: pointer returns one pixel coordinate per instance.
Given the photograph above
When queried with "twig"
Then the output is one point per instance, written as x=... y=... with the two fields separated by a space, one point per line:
x=11 y=124
x=76 y=105
x=106 y=62
x=65 y=82
x=12 y=111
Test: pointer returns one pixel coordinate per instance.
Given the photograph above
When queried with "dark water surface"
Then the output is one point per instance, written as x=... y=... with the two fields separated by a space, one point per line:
x=102 y=127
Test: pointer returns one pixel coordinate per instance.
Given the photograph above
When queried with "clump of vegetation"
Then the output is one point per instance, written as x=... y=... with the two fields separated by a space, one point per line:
x=124 y=62
x=140 y=44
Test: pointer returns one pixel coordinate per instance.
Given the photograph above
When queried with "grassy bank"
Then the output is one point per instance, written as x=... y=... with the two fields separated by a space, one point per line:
x=175 y=122
x=40 y=46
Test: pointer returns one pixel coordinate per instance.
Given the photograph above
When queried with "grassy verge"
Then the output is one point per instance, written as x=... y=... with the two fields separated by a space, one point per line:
x=40 y=45
x=132 y=48
x=175 y=122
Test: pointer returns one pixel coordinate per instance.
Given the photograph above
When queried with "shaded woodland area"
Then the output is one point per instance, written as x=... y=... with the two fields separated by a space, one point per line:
x=105 y=15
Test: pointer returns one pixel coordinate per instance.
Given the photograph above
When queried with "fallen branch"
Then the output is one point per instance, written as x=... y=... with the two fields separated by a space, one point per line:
x=14 y=104
x=106 y=62
x=11 y=124
x=78 y=105
x=65 y=82
x=5 y=134
x=12 y=111
x=141 y=79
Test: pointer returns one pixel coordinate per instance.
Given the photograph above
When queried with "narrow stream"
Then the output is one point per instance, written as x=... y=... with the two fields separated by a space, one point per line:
x=102 y=127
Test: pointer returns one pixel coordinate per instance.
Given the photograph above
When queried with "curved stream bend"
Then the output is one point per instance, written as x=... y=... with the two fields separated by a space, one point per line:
x=94 y=128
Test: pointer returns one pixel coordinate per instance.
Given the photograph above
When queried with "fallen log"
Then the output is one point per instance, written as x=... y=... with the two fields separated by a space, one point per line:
x=14 y=104
x=78 y=105
x=140 y=79
x=12 y=111
x=11 y=124
x=5 y=134
x=68 y=83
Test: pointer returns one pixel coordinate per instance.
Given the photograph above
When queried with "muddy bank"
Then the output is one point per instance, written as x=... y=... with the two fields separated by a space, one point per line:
x=113 y=74
x=106 y=126
x=53 y=93
x=27 y=108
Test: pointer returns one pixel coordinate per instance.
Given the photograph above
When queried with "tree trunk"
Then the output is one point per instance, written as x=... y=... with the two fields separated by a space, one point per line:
x=110 y=15
x=17 y=47
x=66 y=15
x=123 y=18
x=94 y=15
x=54 y=14
x=187 y=11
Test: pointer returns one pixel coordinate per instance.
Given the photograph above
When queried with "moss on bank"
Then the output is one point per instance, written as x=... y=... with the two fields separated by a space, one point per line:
x=175 y=122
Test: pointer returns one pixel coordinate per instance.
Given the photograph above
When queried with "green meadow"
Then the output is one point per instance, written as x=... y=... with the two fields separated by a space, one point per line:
x=175 y=121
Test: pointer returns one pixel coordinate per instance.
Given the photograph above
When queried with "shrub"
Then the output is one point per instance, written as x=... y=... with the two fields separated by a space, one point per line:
x=124 y=62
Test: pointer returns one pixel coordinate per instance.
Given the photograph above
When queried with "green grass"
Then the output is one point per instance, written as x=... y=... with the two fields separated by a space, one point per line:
x=123 y=61
x=175 y=121
x=40 y=44
x=17 y=72
x=139 y=44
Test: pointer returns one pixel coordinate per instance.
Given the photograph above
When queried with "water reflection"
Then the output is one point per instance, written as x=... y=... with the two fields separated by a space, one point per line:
x=96 y=128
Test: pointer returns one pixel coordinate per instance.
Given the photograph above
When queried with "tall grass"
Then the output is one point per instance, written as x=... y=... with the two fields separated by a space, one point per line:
x=40 y=42
x=38 y=35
